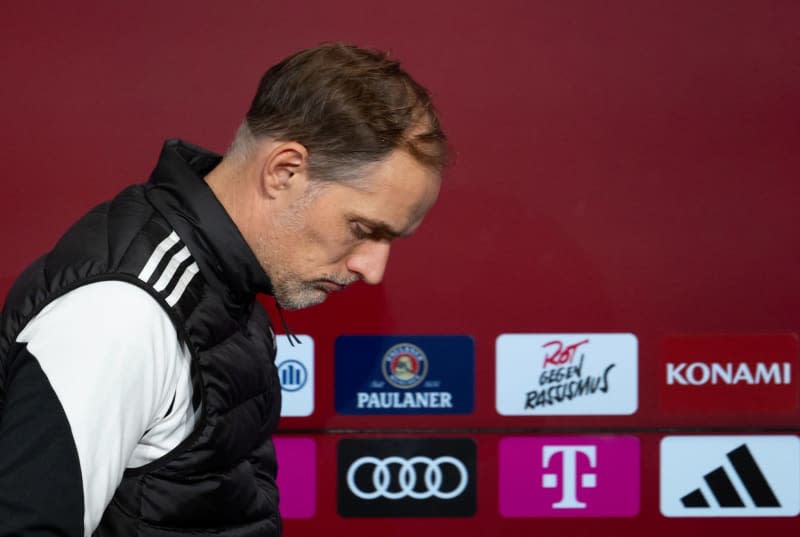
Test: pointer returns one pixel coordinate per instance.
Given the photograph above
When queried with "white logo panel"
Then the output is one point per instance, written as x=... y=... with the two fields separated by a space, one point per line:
x=730 y=476
x=296 y=374
x=566 y=374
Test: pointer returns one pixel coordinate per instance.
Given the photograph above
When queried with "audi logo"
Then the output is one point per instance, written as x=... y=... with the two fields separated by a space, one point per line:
x=407 y=476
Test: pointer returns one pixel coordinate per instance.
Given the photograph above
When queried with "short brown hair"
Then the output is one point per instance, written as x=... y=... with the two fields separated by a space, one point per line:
x=349 y=107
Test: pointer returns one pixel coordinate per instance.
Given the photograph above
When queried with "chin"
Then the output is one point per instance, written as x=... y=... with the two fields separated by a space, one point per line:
x=302 y=300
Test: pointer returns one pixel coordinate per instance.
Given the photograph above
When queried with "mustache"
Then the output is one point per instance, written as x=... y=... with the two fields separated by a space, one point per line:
x=344 y=282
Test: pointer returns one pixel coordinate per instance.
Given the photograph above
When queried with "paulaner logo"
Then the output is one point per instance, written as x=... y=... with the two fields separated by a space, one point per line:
x=404 y=374
x=373 y=400
x=566 y=374
x=563 y=377
x=405 y=366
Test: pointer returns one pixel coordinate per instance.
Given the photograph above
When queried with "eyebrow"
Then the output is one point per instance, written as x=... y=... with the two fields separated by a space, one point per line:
x=382 y=229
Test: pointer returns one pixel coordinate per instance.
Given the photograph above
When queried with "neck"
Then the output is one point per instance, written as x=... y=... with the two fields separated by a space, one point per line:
x=232 y=182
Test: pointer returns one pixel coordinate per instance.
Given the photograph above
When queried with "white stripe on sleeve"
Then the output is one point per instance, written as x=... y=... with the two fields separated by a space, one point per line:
x=171 y=268
x=157 y=255
x=183 y=283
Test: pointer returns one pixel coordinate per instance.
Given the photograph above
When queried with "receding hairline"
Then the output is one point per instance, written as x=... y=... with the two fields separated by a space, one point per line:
x=244 y=143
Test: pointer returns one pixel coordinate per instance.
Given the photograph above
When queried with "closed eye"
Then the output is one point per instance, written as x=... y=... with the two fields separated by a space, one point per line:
x=374 y=230
x=360 y=231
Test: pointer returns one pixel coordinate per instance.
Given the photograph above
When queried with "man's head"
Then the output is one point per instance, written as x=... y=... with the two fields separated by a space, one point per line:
x=340 y=153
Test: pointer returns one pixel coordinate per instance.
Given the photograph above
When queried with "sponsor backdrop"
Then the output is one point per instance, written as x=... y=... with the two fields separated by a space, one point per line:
x=410 y=375
x=595 y=330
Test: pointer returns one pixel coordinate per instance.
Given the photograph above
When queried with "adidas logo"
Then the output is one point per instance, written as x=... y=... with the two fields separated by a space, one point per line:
x=730 y=476
x=723 y=489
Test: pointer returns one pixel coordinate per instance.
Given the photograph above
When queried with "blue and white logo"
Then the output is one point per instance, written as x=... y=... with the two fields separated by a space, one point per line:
x=296 y=374
x=405 y=374
x=293 y=375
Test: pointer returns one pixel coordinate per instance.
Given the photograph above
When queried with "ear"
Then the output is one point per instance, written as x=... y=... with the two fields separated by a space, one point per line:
x=285 y=168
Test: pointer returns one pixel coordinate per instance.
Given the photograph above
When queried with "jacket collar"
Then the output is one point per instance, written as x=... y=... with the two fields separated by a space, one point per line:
x=178 y=190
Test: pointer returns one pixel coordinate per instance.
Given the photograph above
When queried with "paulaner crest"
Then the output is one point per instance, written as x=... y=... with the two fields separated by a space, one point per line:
x=404 y=366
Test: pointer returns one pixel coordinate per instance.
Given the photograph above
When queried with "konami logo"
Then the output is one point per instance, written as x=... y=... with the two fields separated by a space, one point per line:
x=727 y=375
x=700 y=373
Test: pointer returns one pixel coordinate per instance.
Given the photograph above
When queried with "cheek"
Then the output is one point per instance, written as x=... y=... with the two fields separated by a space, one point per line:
x=337 y=251
x=332 y=237
x=324 y=248
x=322 y=236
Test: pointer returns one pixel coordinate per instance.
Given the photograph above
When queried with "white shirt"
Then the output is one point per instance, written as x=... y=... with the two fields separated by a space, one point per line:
x=113 y=358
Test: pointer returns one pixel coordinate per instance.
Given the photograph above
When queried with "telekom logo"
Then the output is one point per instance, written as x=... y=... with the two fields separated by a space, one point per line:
x=569 y=476
x=569 y=473
x=297 y=479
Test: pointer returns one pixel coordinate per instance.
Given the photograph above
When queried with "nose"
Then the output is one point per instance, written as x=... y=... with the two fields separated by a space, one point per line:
x=369 y=261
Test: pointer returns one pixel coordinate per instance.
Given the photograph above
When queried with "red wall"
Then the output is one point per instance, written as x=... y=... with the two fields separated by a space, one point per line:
x=620 y=167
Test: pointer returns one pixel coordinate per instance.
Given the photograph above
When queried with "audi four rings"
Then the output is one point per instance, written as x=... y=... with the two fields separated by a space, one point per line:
x=407 y=475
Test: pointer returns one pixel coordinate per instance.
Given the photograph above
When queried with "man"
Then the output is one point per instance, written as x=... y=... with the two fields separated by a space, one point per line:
x=137 y=383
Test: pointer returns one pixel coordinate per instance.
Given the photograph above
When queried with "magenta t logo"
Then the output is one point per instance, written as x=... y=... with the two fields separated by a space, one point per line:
x=297 y=476
x=569 y=473
x=569 y=476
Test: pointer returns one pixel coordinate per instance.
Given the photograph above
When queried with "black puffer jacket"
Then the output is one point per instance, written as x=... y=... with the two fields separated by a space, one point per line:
x=221 y=479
